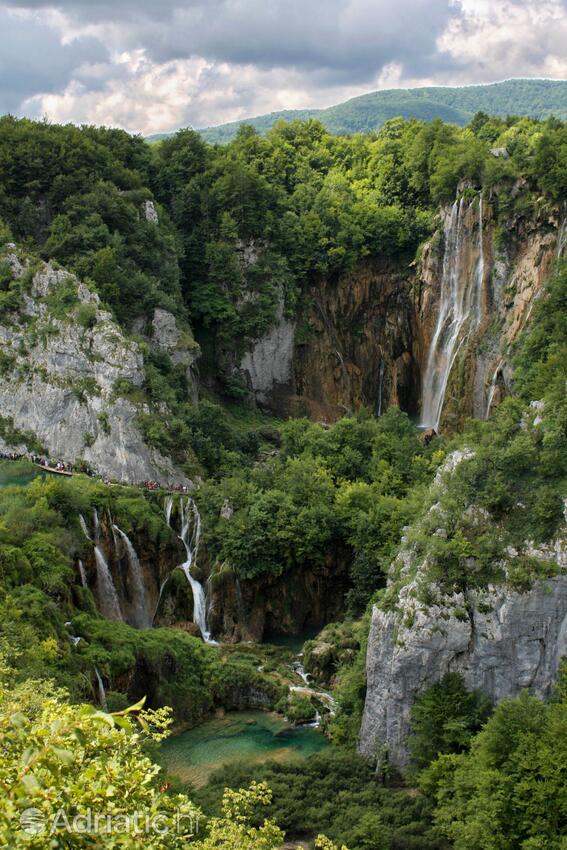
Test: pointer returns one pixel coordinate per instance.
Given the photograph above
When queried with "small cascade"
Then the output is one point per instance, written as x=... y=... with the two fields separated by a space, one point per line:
x=142 y=618
x=107 y=597
x=309 y=691
x=492 y=390
x=190 y=537
x=84 y=528
x=380 y=394
x=168 y=509
x=96 y=526
x=101 y=691
x=83 y=574
x=460 y=310
x=106 y=592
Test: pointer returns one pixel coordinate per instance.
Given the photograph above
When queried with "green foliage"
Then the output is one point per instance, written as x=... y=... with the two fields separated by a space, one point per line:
x=444 y=719
x=335 y=792
x=508 y=791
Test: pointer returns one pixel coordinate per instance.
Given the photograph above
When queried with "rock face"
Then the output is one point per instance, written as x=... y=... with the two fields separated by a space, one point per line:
x=289 y=604
x=500 y=640
x=351 y=345
x=67 y=374
x=364 y=337
x=267 y=368
x=517 y=644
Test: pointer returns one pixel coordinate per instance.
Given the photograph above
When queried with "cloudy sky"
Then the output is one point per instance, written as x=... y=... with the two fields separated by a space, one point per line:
x=155 y=65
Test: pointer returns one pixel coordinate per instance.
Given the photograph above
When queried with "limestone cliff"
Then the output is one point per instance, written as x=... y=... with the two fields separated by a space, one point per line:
x=72 y=378
x=351 y=344
x=499 y=639
x=392 y=331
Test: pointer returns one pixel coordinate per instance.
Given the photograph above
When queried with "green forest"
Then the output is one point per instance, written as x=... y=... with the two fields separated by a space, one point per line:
x=308 y=204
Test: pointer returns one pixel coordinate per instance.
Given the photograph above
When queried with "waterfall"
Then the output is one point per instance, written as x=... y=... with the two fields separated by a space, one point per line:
x=142 y=619
x=492 y=390
x=101 y=691
x=82 y=573
x=459 y=311
x=84 y=528
x=168 y=508
x=106 y=592
x=380 y=388
x=190 y=537
x=96 y=526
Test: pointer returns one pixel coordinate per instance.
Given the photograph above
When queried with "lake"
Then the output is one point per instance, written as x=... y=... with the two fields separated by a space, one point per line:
x=249 y=736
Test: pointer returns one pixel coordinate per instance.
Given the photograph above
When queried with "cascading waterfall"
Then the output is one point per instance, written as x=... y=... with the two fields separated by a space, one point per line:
x=168 y=508
x=190 y=537
x=83 y=574
x=83 y=525
x=459 y=312
x=101 y=691
x=492 y=390
x=106 y=592
x=142 y=617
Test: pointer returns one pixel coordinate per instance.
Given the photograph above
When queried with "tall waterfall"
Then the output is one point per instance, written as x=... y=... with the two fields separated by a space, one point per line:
x=108 y=602
x=142 y=617
x=459 y=310
x=190 y=537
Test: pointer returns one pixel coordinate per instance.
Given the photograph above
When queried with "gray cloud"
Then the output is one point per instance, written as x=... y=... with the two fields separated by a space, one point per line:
x=156 y=64
x=350 y=38
x=33 y=60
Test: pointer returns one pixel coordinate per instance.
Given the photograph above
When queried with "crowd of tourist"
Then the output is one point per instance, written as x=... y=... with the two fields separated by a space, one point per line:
x=70 y=469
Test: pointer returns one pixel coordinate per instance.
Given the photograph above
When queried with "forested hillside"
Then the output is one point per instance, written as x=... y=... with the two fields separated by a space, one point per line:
x=367 y=113
x=250 y=326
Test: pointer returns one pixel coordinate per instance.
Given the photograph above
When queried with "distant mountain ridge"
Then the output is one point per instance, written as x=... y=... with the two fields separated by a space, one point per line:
x=530 y=97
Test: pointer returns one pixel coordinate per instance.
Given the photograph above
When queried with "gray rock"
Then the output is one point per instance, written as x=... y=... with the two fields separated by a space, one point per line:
x=269 y=363
x=150 y=212
x=165 y=332
x=62 y=386
x=517 y=644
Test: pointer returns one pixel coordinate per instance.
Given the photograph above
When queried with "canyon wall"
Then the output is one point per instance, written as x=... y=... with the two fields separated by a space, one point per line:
x=434 y=337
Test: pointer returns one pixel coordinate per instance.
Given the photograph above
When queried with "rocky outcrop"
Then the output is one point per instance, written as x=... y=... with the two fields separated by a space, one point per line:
x=69 y=376
x=500 y=641
x=268 y=367
x=351 y=344
x=300 y=599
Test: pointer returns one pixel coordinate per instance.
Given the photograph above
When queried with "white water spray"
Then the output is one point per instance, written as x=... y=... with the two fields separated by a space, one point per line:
x=168 y=508
x=459 y=312
x=84 y=528
x=190 y=537
x=142 y=618
x=492 y=390
x=101 y=691
x=83 y=574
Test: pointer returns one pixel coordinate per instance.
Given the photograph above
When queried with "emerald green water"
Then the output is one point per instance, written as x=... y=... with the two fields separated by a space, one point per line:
x=17 y=473
x=249 y=736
